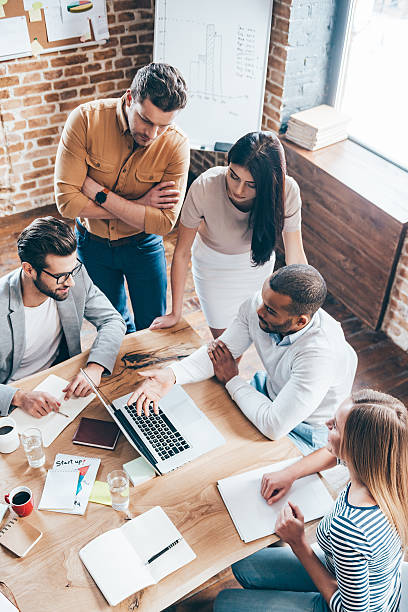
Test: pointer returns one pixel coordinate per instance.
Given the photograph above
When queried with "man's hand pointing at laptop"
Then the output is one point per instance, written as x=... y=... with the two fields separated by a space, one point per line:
x=158 y=382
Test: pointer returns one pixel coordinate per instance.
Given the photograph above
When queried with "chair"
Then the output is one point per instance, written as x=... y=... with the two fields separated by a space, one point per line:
x=404 y=587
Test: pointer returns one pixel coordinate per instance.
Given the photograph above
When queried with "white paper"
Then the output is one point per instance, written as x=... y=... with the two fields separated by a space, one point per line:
x=86 y=469
x=14 y=37
x=100 y=27
x=253 y=517
x=99 y=20
x=62 y=24
x=59 y=490
x=6 y=605
x=53 y=423
x=3 y=510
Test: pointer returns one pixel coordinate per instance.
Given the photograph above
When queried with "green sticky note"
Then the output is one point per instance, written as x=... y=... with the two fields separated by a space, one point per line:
x=100 y=493
x=139 y=471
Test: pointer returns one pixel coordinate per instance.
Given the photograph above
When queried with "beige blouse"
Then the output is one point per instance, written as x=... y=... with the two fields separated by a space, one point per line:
x=221 y=225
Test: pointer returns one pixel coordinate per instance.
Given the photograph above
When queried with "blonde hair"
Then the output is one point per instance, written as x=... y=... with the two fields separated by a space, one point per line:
x=375 y=445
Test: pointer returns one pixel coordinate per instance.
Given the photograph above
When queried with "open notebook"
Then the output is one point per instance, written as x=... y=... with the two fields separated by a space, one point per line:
x=253 y=517
x=117 y=559
x=52 y=424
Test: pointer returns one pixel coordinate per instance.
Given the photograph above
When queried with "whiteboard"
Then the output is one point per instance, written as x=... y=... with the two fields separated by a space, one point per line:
x=221 y=49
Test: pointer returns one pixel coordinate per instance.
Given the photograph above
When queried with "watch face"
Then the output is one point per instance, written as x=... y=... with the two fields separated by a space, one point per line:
x=100 y=197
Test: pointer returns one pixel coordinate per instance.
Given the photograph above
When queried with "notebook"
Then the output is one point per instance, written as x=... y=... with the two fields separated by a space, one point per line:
x=52 y=424
x=117 y=559
x=253 y=517
x=6 y=605
x=59 y=491
x=19 y=536
x=94 y=432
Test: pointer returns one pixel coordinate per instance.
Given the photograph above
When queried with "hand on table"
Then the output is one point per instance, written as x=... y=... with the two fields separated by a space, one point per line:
x=275 y=485
x=164 y=321
x=290 y=525
x=79 y=386
x=225 y=366
x=158 y=381
x=36 y=403
x=161 y=196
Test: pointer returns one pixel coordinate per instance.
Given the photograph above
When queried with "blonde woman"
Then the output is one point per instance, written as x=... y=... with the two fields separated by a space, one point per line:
x=229 y=225
x=362 y=538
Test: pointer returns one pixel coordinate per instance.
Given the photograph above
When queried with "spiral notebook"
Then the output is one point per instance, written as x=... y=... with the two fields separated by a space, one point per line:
x=19 y=536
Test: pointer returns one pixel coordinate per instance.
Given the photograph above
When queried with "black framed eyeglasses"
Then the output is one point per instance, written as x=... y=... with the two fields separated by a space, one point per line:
x=64 y=276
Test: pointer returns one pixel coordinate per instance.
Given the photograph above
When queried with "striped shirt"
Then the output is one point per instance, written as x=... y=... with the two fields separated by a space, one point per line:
x=363 y=551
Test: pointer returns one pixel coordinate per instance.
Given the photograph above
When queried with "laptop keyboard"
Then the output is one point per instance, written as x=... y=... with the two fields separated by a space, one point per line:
x=160 y=432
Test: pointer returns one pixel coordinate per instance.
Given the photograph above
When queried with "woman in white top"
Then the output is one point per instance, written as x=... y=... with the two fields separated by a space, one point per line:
x=234 y=215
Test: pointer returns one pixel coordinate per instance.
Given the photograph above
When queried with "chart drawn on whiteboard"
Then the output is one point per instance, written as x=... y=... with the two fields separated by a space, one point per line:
x=221 y=49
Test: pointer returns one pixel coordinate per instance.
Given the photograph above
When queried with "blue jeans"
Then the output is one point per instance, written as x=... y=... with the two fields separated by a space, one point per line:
x=142 y=263
x=274 y=580
x=306 y=437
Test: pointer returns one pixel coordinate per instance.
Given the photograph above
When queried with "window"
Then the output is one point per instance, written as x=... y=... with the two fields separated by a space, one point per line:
x=373 y=83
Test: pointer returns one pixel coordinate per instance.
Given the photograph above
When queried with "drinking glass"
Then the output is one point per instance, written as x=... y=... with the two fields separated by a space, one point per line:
x=118 y=483
x=33 y=447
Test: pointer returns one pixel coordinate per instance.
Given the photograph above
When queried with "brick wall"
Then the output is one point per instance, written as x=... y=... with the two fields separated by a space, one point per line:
x=36 y=95
x=308 y=55
x=395 y=322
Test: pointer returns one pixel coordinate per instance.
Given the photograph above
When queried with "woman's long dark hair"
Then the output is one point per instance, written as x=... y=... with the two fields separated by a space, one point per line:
x=262 y=154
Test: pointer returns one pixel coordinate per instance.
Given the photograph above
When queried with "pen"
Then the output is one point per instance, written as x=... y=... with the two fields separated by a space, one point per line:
x=63 y=414
x=159 y=554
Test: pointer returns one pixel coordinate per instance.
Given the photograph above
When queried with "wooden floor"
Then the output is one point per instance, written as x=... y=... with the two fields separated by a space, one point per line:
x=382 y=365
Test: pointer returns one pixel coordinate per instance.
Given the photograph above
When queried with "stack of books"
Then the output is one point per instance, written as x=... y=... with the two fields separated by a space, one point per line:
x=317 y=127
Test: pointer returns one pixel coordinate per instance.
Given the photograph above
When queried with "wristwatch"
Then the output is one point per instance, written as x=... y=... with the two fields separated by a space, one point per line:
x=100 y=197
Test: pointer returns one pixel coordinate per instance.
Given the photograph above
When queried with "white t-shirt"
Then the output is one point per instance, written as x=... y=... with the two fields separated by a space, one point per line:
x=223 y=227
x=43 y=332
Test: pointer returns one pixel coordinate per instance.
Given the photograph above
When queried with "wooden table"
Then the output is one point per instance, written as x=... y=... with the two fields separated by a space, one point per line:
x=52 y=576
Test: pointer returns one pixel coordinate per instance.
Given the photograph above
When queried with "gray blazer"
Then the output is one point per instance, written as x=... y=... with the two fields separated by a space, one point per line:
x=85 y=300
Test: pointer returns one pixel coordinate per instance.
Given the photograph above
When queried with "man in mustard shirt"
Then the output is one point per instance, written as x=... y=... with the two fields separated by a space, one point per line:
x=121 y=172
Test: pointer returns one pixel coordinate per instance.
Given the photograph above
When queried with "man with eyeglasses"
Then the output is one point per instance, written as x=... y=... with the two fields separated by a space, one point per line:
x=121 y=172
x=42 y=307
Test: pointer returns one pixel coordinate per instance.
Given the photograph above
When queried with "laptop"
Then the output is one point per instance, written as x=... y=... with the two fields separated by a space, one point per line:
x=177 y=435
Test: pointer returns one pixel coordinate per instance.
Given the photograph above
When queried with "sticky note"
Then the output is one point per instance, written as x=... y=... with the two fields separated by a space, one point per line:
x=139 y=471
x=2 y=3
x=34 y=15
x=100 y=493
x=36 y=47
x=35 y=12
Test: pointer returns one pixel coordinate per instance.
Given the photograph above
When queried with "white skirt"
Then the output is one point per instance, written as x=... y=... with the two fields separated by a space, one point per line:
x=223 y=282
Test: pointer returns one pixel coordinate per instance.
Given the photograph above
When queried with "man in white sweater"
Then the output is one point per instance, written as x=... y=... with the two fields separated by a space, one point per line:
x=310 y=367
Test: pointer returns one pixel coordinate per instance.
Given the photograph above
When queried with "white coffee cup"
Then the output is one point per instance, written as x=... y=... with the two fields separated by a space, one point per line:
x=9 y=441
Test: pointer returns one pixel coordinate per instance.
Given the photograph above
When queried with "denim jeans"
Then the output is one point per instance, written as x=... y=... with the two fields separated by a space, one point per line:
x=306 y=437
x=274 y=580
x=142 y=263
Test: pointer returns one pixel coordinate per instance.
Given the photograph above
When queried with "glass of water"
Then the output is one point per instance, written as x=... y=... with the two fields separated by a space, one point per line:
x=118 y=483
x=33 y=447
